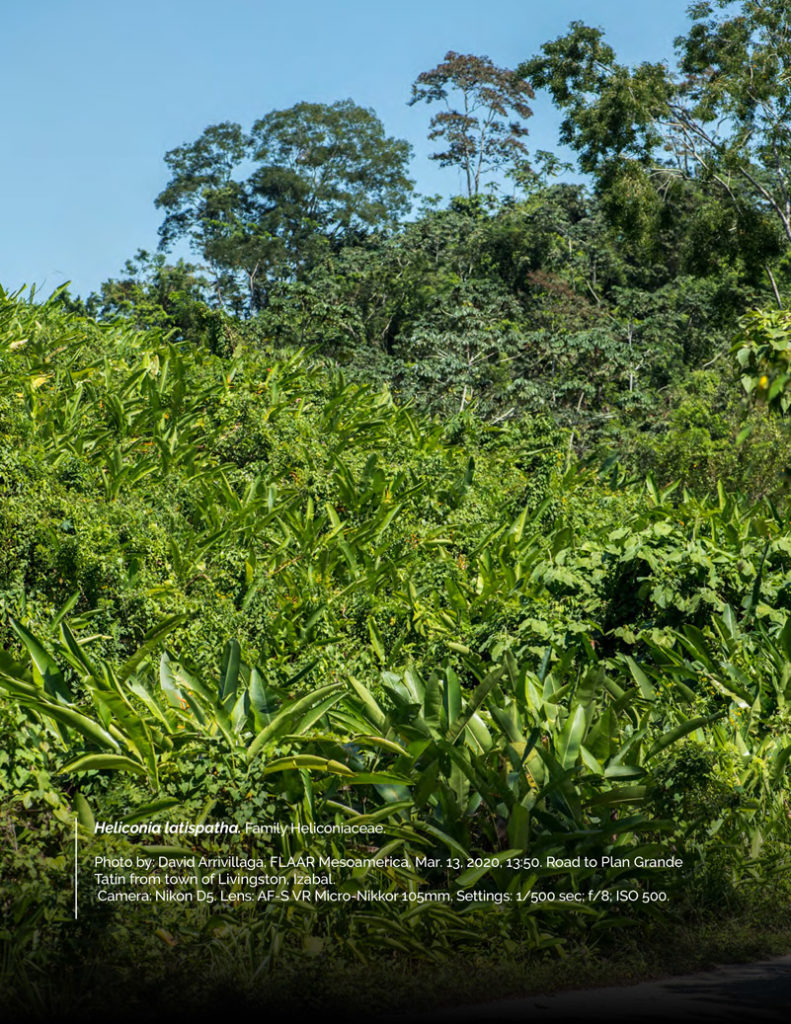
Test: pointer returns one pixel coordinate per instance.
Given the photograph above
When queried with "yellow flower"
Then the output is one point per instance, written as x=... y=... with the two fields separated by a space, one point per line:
x=763 y=383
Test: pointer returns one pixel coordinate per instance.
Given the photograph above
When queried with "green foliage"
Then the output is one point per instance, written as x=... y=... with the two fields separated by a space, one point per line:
x=714 y=128
x=461 y=527
x=763 y=354
x=522 y=307
x=321 y=172
x=243 y=585
x=156 y=294
x=485 y=129
x=705 y=439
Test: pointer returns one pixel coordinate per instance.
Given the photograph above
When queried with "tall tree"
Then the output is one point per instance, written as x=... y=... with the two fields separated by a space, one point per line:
x=482 y=124
x=319 y=174
x=720 y=120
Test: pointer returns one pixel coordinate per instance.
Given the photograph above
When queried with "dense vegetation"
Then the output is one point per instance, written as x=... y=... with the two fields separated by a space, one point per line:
x=473 y=527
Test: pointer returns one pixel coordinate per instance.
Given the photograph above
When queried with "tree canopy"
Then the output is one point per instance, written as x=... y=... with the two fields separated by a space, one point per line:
x=718 y=120
x=316 y=174
x=482 y=124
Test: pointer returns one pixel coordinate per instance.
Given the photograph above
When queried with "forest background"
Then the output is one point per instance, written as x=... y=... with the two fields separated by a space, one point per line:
x=464 y=517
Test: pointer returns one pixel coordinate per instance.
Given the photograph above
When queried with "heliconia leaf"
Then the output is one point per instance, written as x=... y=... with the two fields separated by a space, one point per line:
x=281 y=721
x=83 y=811
x=433 y=703
x=508 y=726
x=621 y=795
x=375 y=713
x=46 y=667
x=376 y=641
x=167 y=682
x=65 y=608
x=393 y=793
x=477 y=698
x=307 y=761
x=451 y=697
x=314 y=714
x=785 y=638
x=696 y=644
x=682 y=730
x=643 y=683
x=80 y=723
x=780 y=762
x=229 y=671
x=447 y=840
x=414 y=686
x=623 y=771
x=262 y=700
x=240 y=712
x=590 y=762
x=334 y=518
x=145 y=811
x=100 y=762
x=152 y=638
x=568 y=743
x=476 y=728
x=519 y=827
x=382 y=741
x=79 y=654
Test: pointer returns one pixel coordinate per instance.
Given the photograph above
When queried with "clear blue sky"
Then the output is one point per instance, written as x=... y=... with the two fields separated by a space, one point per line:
x=96 y=92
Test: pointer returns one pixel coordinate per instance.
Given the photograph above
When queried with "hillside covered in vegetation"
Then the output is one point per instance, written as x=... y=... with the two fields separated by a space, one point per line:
x=466 y=535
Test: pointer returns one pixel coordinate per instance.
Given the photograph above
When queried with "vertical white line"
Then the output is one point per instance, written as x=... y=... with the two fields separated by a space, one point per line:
x=75 y=868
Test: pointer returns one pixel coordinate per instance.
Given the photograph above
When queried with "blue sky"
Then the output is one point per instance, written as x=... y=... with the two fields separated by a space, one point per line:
x=95 y=93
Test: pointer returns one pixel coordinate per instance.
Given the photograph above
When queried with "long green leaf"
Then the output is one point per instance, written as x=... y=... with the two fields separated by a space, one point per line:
x=47 y=668
x=281 y=721
x=666 y=739
x=101 y=762
x=152 y=638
